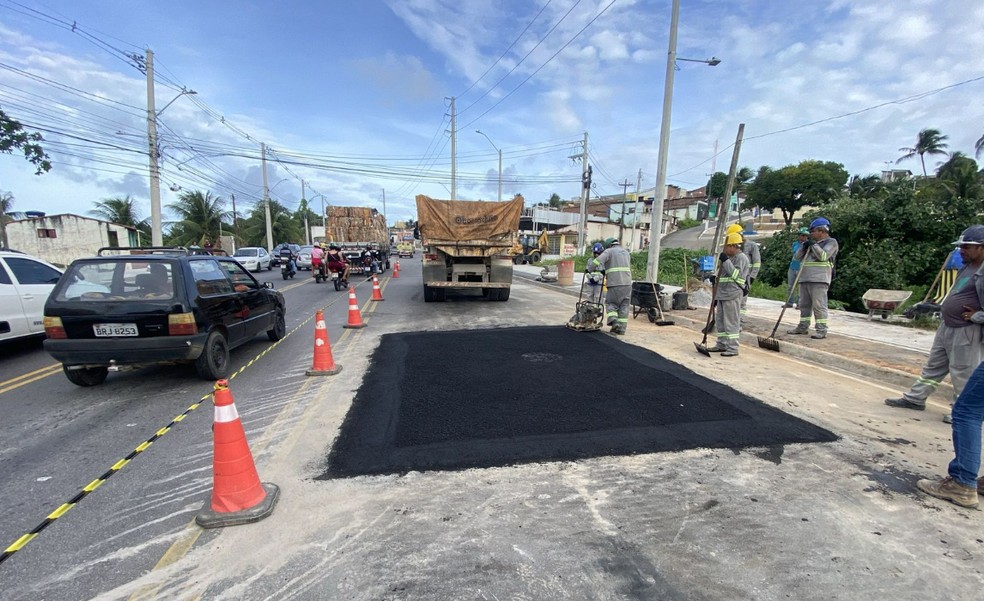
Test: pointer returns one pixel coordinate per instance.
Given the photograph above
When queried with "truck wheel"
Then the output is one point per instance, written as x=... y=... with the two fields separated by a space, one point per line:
x=213 y=363
x=434 y=295
x=502 y=294
x=535 y=257
x=89 y=376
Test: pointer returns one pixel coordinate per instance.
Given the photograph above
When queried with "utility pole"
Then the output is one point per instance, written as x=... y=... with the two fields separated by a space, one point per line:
x=635 y=214
x=454 y=189
x=156 y=237
x=625 y=198
x=235 y=224
x=724 y=212
x=307 y=228
x=384 y=206
x=585 y=191
x=266 y=199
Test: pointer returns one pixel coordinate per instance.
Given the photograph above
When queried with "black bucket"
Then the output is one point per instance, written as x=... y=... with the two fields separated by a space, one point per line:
x=643 y=294
x=681 y=300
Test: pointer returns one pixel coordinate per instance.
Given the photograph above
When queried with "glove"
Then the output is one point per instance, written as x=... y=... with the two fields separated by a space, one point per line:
x=722 y=258
x=808 y=244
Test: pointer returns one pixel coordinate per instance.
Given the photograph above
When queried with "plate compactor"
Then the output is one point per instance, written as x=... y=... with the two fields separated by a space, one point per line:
x=589 y=312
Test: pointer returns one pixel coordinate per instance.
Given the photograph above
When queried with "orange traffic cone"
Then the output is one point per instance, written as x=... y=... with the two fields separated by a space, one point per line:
x=324 y=364
x=377 y=294
x=396 y=269
x=354 y=318
x=238 y=496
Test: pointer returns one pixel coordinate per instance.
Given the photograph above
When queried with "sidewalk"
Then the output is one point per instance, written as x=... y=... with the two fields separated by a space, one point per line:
x=880 y=349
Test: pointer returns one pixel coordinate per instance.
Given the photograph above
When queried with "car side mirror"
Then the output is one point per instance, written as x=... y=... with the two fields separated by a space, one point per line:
x=268 y=285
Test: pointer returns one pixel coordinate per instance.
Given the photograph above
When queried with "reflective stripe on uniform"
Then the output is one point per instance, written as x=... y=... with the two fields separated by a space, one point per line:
x=619 y=269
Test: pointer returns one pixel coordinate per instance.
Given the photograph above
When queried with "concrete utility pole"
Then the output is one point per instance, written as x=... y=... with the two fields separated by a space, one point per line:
x=724 y=212
x=307 y=228
x=266 y=199
x=625 y=198
x=156 y=237
x=235 y=223
x=585 y=191
x=635 y=211
x=454 y=188
x=384 y=207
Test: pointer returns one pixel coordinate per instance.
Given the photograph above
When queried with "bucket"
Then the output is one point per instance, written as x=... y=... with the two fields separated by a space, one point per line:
x=565 y=273
x=681 y=300
x=664 y=301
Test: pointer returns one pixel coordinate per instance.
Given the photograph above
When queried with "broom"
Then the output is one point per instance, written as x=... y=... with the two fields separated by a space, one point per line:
x=702 y=345
x=771 y=343
x=662 y=321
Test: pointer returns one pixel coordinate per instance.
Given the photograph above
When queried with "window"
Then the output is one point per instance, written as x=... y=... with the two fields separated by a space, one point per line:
x=4 y=276
x=29 y=271
x=114 y=239
x=240 y=278
x=47 y=233
x=210 y=279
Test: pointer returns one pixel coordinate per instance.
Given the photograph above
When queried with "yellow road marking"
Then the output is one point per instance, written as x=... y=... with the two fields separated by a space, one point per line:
x=29 y=377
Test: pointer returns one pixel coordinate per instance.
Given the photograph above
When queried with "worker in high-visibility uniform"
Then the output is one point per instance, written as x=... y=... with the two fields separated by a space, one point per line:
x=817 y=256
x=615 y=261
x=752 y=250
x=732 y=276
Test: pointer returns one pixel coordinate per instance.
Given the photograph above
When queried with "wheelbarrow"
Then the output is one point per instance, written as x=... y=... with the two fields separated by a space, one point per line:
x=884 y=302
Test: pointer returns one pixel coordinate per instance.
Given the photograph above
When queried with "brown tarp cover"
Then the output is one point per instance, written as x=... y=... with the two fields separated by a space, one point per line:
x=356 y=224
x=461 y=220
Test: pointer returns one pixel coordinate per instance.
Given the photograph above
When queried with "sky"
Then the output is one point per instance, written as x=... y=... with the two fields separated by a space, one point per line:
x=354 y=96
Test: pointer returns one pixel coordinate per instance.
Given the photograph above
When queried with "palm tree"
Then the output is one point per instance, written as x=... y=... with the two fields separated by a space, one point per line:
x=121 y=211
x=959 y=176
x=6 y=203
x=979 y=146
x=201 y=215
x=929 y=141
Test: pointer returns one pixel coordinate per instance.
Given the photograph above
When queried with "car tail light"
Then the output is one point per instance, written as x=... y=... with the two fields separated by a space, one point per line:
x=181 y=324
x=430 y=257
x=53 y=327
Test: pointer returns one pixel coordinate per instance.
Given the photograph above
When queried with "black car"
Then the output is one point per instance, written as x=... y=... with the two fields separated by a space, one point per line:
x=165 y=306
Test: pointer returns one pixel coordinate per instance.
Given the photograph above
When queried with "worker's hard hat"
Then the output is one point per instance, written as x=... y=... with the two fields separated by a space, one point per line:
x=734 y=228
x=611 y=241
x=972 y=235
x=733 y=238
x=820 y=223
x=598 y=247
x=803 y=231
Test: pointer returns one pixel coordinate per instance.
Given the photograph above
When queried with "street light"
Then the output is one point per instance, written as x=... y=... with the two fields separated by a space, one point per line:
x=656 y=219
x=156 y=237
x=478 y=131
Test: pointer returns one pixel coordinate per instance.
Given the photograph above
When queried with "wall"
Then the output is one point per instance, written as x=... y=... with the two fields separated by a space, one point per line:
x=75 y=237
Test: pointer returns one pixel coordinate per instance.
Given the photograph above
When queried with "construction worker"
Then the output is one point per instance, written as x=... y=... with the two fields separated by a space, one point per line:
x=792 y=293
x=957 y=347
x=616 y=263
x=597 y=278
x=732 y=287
x=753 y=251
x=816 y=256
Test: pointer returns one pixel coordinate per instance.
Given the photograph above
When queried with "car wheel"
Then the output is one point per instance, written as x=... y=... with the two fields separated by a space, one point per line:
x=279 y=329
x=213 y=363
x=269 y=266
x=88 y=376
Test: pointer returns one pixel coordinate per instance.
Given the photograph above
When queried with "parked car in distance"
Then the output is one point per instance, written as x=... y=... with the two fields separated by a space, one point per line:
x=126 y=311
x=25 y=283
x=304 y=258
x=275 y=253
x=254 y=258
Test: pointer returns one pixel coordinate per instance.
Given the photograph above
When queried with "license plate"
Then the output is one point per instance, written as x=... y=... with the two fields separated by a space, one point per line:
x=115 y=329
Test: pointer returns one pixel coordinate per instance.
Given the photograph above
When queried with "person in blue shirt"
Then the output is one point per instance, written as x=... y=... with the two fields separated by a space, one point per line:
x=792 y=294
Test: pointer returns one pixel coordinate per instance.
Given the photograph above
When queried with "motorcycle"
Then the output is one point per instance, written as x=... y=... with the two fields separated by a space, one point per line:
x=288 y=270
x=321 y=273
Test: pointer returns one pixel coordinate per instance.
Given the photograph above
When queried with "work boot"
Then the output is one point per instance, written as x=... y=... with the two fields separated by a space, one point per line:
x=716 y=349
x=819 y=335
x=799 y=330
x=618 y=330
x=904 y=403
x=729 y=354
x=950 y=490
x=947 y=419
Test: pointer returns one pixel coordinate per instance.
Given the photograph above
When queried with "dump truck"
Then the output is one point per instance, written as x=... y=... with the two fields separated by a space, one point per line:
x=355 y=229
x=466 y=245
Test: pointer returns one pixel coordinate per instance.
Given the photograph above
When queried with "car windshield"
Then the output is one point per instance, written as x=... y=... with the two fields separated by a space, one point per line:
x=246 y=252
x=117 y=280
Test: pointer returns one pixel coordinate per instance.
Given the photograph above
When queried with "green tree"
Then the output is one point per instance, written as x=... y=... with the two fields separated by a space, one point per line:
x=282 y=225
x=555 y=200
x=960 y=177
x=303 y=215
x=13 y=137
x=929 y=141
x=201 y=215
x=789 y=189
x=979 y=146
x=122 y=211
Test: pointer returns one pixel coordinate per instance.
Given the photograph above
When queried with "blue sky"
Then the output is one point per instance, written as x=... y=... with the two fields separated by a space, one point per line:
x=352 y=96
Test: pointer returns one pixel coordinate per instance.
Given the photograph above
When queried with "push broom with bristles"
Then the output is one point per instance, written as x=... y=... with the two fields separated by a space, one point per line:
x=771 y=343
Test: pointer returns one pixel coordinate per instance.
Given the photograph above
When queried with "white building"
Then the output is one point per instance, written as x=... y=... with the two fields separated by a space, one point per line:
x=60 y=239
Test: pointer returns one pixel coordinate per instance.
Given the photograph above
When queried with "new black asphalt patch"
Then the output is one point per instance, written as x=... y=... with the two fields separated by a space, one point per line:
x=483 y=398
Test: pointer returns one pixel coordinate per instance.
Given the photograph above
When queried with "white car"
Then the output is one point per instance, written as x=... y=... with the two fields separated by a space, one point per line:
x=253 y=258
x=25 y=283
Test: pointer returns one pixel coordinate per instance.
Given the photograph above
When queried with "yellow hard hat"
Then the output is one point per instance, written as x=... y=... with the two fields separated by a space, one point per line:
x=734 y=228
x=733 y=238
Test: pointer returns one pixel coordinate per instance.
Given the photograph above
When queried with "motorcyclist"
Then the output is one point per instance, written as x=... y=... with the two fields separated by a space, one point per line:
x=317 y=265
x=336 y=263
x=289 y=258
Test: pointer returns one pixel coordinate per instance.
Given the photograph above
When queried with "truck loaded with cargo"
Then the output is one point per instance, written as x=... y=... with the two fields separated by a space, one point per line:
x=358 y=230
x=466 y=245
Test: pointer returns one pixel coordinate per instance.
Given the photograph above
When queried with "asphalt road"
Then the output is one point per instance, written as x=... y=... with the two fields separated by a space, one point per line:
x=838 y=520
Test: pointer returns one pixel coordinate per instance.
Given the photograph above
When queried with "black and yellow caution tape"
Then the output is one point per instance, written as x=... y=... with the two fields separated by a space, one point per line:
x=19 y=544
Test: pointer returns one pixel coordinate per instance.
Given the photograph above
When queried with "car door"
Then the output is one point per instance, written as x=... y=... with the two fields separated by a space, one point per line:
x=218 y=302
x=258 y=307
x=32 y=281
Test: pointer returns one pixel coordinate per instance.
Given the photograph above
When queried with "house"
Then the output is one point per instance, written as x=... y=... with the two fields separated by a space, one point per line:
x=60 y=239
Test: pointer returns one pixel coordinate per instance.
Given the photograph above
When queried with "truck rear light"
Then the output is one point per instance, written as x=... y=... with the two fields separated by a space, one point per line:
x=181 y=324
x=53 y=327
x=430 y=257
